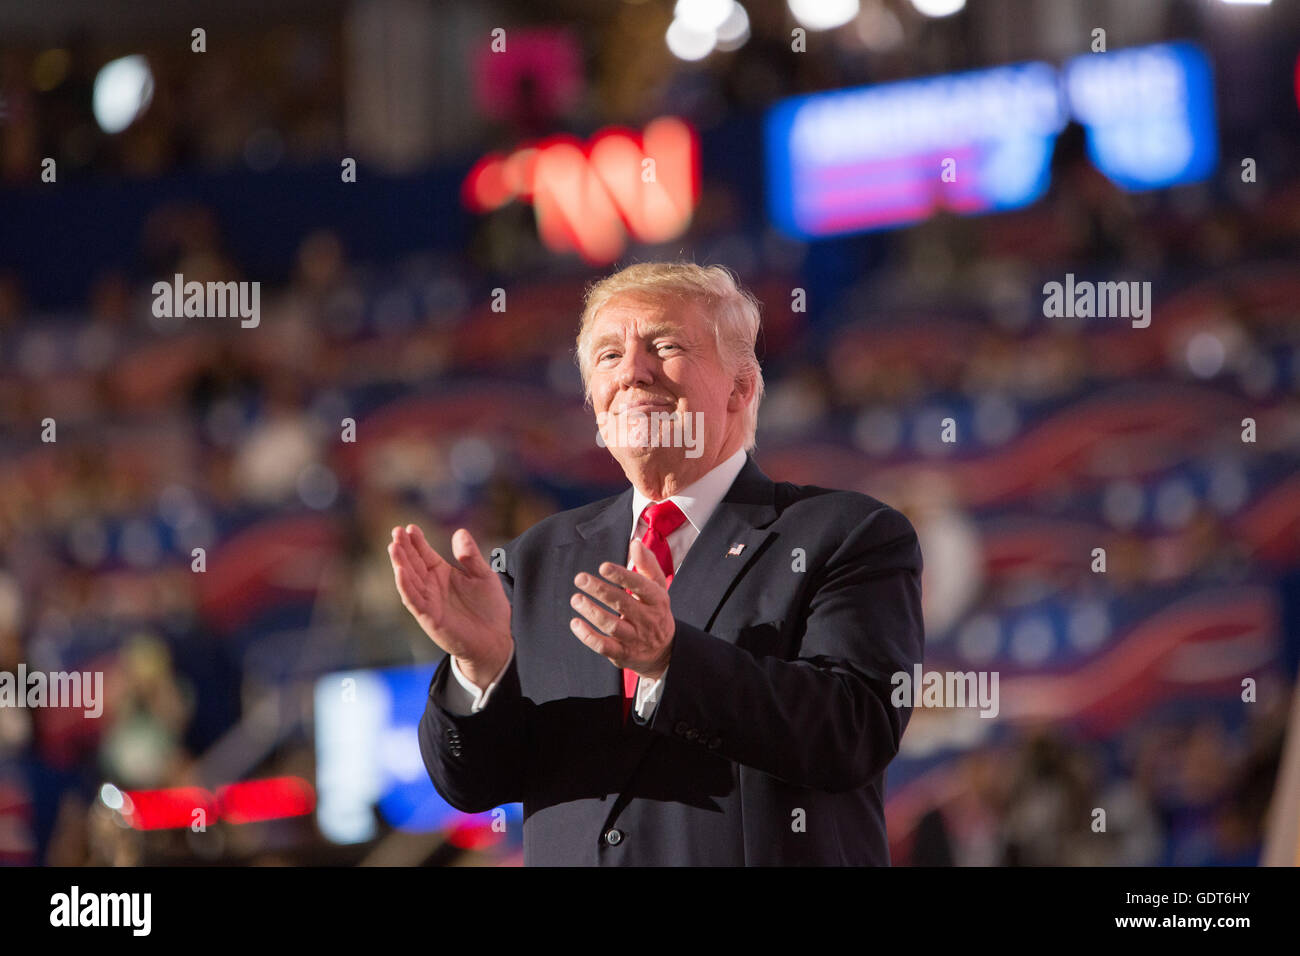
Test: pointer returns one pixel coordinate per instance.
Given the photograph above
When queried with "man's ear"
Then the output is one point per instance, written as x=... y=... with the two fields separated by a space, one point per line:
x=741 y=393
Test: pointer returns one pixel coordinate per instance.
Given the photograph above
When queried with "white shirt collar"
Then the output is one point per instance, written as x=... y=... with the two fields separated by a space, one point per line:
x=699 y=499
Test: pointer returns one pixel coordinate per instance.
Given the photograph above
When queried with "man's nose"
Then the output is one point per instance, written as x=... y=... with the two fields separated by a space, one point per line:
x=636 y=368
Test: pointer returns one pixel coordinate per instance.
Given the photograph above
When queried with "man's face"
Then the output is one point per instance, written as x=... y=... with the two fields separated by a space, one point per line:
x=658 y=386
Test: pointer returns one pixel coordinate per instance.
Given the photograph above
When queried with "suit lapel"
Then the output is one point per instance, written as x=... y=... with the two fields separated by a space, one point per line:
x=709 y=570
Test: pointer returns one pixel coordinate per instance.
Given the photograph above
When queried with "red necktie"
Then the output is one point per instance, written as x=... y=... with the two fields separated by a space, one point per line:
x=663 y=519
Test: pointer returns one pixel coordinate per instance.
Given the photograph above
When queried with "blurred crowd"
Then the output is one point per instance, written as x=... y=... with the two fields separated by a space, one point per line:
x=1186 y=792
x=181 y=434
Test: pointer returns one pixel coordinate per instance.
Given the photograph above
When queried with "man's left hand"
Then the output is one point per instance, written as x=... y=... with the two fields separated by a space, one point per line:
x=638 y=633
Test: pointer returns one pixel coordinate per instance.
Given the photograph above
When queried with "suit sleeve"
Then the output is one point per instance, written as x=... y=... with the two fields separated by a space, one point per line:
x=823 y=720
x=477 y=761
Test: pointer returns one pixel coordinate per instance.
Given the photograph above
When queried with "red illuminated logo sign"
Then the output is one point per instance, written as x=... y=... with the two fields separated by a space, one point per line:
x=590 y=199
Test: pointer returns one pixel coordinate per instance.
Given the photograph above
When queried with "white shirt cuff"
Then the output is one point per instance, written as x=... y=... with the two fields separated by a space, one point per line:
x=463 y=696
x=647 y=695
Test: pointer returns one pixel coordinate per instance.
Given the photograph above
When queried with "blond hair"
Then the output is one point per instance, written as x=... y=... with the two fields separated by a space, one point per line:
x=731 y=310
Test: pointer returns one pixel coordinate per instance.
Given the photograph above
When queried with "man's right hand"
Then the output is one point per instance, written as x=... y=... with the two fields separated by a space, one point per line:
x=465 y=612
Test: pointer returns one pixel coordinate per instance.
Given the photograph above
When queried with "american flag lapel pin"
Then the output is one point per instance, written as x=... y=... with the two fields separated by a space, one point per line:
x=735 y=549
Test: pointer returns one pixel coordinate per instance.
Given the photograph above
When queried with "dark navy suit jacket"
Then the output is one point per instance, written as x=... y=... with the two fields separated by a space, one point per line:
x=774 y=728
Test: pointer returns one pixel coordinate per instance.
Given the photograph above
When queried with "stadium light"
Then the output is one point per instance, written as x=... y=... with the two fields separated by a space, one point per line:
x=688 y=43
x=703 y=16
x=823 y=14
x=878 y=28
x=938 y=8
x=123 y=90
x=734 y=31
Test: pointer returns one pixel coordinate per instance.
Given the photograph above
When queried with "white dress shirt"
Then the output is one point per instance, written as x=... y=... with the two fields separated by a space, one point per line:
x=698 y=501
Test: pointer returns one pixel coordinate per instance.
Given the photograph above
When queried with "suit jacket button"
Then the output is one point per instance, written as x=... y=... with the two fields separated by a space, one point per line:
x=614 y=836
x=715 y=743
x=681 y=727
x=692 y=734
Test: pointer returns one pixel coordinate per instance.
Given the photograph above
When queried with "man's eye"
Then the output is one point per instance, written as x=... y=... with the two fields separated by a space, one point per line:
x=605 y=355
x=667 y=345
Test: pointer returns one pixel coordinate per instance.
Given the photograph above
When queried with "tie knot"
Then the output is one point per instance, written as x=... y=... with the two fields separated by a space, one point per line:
x=664 y=517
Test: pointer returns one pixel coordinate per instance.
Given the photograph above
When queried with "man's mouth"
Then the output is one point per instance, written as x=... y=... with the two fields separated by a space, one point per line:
x=646 y=403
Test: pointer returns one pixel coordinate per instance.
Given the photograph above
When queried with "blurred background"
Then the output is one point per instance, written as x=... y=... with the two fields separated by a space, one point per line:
x=382 y=167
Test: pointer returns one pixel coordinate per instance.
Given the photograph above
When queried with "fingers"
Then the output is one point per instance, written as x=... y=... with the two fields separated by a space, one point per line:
x=403 y=550
x=416 y=583
x=638 y=582
x=420 y=557
x=605 y=592
x=610 y=623
x=422 y=548
x=602 y=644
x=635 y=587
x=646 y=563
x=464 y=547
x=397 y=552
x=409 y=585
